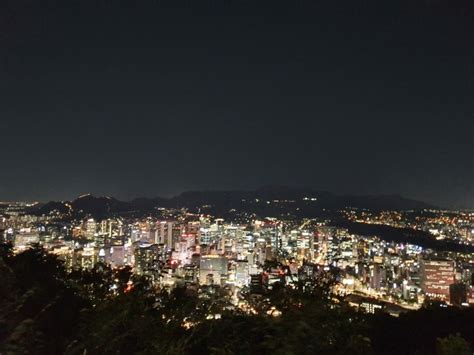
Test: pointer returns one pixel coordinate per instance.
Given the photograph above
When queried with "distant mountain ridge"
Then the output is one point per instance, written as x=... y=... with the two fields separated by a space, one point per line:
x=269 y=200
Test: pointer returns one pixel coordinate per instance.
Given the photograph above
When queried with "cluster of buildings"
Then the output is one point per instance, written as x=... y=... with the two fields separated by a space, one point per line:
x=202 y=252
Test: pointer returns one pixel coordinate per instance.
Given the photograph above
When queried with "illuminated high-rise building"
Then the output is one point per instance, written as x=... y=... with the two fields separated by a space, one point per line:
x=86 y=258
x=91 y=229
x=242 y=277
x=436 y=277
x=305 y=245
x=26 y=238
x=212 y=269
x=146 y=259
x=168 y=233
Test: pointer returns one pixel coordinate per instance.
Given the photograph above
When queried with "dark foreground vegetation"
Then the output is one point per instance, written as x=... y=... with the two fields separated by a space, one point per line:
x=46 y=310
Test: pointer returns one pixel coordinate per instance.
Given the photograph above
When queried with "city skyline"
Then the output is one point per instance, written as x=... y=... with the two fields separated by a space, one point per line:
x=237 y=177
x=261 y=264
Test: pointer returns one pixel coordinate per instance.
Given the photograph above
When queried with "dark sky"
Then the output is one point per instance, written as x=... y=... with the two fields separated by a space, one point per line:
x=357 y=96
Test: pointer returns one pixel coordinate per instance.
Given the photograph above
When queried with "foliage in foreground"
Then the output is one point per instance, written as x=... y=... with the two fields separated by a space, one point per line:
x=45 y=310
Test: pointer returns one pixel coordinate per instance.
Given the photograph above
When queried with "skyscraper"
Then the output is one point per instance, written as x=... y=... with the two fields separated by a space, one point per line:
x=212 y=270
x=91 y=228
x=436 y=277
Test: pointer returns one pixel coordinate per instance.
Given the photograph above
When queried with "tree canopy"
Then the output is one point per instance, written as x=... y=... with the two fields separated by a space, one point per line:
x=46 y=310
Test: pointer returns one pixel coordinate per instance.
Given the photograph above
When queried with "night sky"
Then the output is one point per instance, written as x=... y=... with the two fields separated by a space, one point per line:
x=360 y=96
